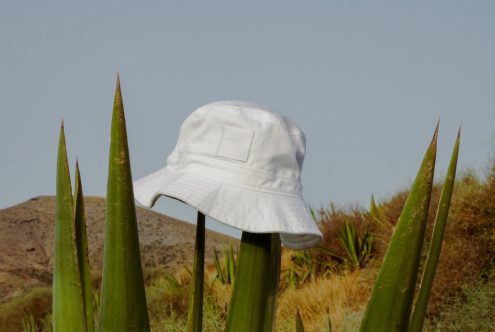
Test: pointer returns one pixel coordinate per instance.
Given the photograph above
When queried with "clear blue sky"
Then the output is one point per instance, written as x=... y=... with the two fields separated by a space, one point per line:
x=366 y=81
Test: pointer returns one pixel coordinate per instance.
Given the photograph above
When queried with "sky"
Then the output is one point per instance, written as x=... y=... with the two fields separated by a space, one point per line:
x=366 y=81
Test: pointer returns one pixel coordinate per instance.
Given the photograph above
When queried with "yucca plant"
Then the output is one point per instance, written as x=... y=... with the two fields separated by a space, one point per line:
x=123 y=299
x=389 y=308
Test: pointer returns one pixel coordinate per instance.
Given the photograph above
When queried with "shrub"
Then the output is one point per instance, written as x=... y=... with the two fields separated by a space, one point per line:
x=36 y=304
x=471 y=310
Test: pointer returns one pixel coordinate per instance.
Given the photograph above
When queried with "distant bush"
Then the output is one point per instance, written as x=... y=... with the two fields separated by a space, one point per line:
x=35 y=305
x=471 y=310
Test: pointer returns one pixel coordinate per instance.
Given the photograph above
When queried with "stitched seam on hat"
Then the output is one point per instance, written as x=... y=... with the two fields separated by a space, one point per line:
x=265 y=191
x=244 y=166
x=262 y=190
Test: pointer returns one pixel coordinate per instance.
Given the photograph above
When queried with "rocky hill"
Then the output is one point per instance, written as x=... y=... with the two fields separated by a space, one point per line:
x=27 y=235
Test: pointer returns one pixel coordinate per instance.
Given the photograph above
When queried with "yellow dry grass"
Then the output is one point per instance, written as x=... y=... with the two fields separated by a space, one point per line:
x=337 y=295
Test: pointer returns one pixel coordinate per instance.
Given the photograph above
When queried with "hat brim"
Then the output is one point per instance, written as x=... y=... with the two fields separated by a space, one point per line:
x=244 y=208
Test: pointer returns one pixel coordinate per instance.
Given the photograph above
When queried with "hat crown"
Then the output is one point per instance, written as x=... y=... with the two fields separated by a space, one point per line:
x=242 y=134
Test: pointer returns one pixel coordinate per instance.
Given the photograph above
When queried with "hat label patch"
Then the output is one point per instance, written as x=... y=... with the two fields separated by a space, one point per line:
x=235 y=143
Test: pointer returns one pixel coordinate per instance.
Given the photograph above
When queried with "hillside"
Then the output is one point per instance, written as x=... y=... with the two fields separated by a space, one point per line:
x=27 y=234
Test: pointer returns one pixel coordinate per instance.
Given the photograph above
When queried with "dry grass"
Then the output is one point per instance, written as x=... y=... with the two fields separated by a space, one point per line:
x=337 y=296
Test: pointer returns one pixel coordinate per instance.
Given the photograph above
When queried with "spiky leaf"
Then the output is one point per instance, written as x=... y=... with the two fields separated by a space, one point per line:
x=195 y=313
x=419 y=312
x=82 y=252
x=68 y=308
x=375 y=212
x=218 y=267
x=299 y=322
x=390 y=304
x=123 y=300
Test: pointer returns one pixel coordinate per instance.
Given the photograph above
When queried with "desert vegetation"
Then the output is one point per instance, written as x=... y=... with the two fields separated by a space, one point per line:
x=343 y=284
x=462 y=298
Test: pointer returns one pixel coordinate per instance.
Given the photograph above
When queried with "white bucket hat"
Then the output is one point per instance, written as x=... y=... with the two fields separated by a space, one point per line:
x=240 y=164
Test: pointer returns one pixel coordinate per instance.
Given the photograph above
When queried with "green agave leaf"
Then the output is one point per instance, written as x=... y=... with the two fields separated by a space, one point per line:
x=390 y=304
x=329 y=322
x=195 y=312
x=82 y=252
x=68 y=307
x=218 y=267
x=123 y=299
x=350 y=242
x=375 y=212
x=419 y=312
x=273 y=282
x=299 y=322
x=254 y=287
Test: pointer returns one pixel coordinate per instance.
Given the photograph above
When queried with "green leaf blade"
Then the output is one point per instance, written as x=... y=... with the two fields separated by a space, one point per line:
x=82 y=252
x=123 y=300
x=391 y=299
x=418 y=316
x=253 y=286
x=299 y=322
x=218 y=267
x=68 y=309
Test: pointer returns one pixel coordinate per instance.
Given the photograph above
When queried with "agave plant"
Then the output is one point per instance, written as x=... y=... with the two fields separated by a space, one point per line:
x=227 y=267
x=358 y=248
x=419 y=312
x=303 y=268
x=72 y=307
x=82 y=252
x=390 y=305
x=253 y=302
x=123 y=299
